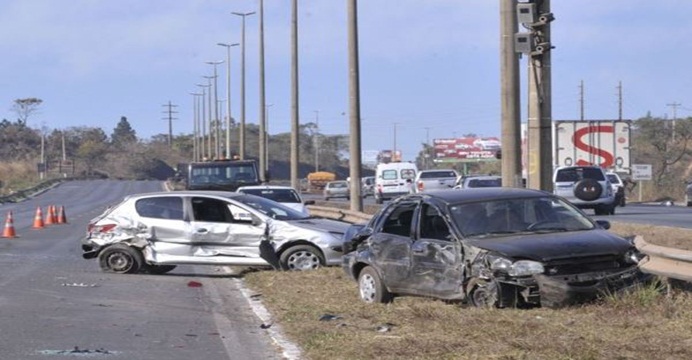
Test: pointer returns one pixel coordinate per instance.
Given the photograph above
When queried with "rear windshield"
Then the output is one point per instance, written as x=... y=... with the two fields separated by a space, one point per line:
x=475 y=183
x=579 y=173
x=437 y=174
x=278 y=195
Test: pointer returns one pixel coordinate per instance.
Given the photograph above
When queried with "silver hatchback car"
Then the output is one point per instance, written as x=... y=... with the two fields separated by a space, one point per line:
x=155 y=232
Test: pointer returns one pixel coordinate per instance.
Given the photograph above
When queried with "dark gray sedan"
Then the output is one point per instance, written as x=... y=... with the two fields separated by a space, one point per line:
x=499 y=247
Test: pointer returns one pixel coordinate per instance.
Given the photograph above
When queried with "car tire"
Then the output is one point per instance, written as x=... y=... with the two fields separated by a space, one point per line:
x=484 y=294
x=371 y=288
x=121 y=259
x=587 y=189
x=158 y=269
x=301 y=257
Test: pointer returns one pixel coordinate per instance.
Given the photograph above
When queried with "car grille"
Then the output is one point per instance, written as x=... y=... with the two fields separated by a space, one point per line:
x=584 y=265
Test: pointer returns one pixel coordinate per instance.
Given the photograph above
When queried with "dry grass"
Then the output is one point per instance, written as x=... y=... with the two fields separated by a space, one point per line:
x=642 y=324
x=17 y=175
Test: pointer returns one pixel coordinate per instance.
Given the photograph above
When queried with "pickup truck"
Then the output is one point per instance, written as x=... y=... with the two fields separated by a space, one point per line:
x=437 y=179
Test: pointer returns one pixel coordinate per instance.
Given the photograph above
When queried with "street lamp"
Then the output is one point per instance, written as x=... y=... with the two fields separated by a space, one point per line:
x=195 y=126
x=209 y=117
x=228 y=96
x=216 y=110
x=317 y=140
x=242 y=86
x=203 y=120
x=266 y=137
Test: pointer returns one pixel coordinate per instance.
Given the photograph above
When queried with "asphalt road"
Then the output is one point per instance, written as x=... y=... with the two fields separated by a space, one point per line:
x=54 y=304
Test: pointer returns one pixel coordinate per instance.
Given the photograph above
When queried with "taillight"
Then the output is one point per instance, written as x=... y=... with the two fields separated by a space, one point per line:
x=420 y=186
x=92 y=228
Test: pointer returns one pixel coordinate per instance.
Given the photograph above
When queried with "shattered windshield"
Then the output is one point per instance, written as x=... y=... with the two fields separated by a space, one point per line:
x=511 y=216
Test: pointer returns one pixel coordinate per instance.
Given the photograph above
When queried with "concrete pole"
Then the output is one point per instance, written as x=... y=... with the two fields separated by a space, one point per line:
x=242 y=87
x=354 y=106
x=540 y=166
x=295 y=122
x=511 y=118
x=209 y=117
x=229 y=119
x=262 y=114
x=216 y=121
x=203 y=120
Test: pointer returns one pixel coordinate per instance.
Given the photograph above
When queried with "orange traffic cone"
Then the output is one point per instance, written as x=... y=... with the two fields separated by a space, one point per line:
x=62 y=218
x=50 y=216
x=54 y=211
x=9 y=232
x=38 y=219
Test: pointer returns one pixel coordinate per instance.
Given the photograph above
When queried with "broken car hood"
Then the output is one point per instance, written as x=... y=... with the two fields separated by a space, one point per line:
x=320 y=224
x=552 y=246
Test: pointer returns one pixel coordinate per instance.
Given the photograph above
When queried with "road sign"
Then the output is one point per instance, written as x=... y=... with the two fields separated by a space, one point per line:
x=641 y=172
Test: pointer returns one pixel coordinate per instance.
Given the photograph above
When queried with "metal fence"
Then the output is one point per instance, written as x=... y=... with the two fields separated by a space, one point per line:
x=663 y=261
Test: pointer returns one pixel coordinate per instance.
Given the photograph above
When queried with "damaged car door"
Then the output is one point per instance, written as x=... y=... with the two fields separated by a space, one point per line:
x=391 y=245
x=435 y=255
x=217 y=233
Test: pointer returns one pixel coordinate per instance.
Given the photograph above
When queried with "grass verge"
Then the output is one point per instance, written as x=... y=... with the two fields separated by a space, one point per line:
x=321 y=312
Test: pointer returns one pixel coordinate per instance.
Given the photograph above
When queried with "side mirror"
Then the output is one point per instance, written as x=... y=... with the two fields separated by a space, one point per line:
x=605 y=224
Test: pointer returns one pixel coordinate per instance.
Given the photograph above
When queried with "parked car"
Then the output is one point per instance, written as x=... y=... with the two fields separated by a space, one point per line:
x=501 y=247
x=475 y=181
x=436 y=179
x=618 y=188
x=368 y=186
x=154 y=232
x=337 y=189
x=282 y=194
x=587 y=187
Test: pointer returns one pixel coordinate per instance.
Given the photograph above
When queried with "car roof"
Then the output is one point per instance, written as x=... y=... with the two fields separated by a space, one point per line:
x=225 y=194
x=450 y=196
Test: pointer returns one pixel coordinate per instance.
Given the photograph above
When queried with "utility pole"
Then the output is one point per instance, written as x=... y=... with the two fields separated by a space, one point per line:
x=620 y=100
x=674 y=105
x=511 y=118
x=210 y=118
x=317 y=140
x=195 y=126
x=242 y=86
x=354 y=105
x=262 y=108
x=295 y=123
x=170 y=119
x=427 y=155
x=217 y=122
x=203 y=120
x=229 y=119
x=581 y=100
x=394 y=146
x=536 y=16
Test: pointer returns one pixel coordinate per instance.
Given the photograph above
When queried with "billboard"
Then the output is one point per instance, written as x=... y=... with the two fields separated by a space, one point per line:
x=465 y=149
x=387 y=156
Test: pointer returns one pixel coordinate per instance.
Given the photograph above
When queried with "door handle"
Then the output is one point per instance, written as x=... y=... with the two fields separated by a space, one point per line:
x=202 y=231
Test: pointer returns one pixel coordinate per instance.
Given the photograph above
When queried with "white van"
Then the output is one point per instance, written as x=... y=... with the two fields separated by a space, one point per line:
x=394 y=179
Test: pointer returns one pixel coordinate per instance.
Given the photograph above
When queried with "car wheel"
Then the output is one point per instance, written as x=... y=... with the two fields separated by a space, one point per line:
x=301 y=257
x=121 y=259
x=371 y=288
x=587 y=189
x=484 y=293
x=158 y=269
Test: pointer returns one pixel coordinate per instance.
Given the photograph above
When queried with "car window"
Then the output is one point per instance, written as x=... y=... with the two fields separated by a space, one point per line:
x=169 y=207
x=270 y=208
x=579 y=173
x=399 y=220
x=389 y=175
x=278 y=195
x=433 y=225
x=437 y=174
x=473 y=183
x=613 y=178
x=211 y=210
x=408 y=174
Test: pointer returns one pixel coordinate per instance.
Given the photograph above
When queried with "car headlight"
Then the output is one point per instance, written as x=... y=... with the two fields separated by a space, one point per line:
x=633 y=256
x=517 y=268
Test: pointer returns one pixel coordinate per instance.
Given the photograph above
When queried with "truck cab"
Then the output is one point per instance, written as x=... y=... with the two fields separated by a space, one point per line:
x=225 y=175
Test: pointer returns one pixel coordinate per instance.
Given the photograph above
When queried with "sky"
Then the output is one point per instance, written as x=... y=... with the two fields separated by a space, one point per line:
x=428 y=69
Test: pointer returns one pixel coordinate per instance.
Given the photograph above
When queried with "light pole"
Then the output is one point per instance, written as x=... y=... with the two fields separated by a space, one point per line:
x=228 y=96
x=242 y=85
x=216 y=110
x=195 y=126
x=266 y=136
x=317 y=140
x=210 y=118
x=203 y=121
x=262 y=121
x=295 y=121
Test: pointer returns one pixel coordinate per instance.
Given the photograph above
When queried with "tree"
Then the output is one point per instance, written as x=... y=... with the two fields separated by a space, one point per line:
x=123 y=134
x=25 y=107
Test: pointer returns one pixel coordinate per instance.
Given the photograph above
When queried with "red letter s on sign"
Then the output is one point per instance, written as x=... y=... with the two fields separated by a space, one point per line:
x=581 y=145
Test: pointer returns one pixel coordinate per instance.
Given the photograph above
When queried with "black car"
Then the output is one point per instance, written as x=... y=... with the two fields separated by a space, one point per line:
x=501 y=247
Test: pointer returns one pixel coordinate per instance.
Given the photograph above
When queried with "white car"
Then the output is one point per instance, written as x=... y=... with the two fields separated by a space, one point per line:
x=285 y=195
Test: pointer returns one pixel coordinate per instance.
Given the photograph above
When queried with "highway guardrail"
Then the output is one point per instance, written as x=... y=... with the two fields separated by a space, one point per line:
x=353 y=217
x=664 y=261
